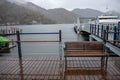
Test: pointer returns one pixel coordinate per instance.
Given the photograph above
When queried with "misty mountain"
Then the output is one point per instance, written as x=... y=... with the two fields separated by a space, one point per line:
x=87 y=12
x=62 y=15
x=18 y=14
x=19 y=2
x=25 y=13
x=34 y=7
x=59 y=15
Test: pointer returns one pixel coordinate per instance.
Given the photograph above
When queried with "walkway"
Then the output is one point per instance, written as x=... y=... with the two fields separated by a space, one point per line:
x=50 y=68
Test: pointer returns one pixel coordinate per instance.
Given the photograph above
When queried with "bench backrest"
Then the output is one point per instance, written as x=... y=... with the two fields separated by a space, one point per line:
x=85 y=45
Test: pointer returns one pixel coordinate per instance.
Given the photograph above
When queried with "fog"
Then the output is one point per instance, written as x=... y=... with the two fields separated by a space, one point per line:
x=17 y=1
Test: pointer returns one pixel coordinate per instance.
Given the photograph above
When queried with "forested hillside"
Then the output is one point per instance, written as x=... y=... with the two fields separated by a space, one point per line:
x=17 y=14
x=12 y=12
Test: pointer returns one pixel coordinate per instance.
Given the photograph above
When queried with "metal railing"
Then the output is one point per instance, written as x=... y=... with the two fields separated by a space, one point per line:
x=19 y=41
x=110 y=33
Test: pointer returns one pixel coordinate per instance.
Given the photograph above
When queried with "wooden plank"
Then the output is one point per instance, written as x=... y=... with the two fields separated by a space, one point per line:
x=113 y=72
x=28 y=69
x=85 y=45
x=113 y=40
x=51 y=70
x=7 y=71
x=48 y=68
x=40 y=69
x=8 y=67
x=89 y=77
x=56 y=70
x=77 y=64
x=73 y=75
x=33 y=69
x=36 y=41
x=15 y=70
x=92 y=77
x=43 y=68
x=84 y=54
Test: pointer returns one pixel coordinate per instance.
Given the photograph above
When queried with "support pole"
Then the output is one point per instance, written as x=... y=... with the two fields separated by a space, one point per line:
x=115 y=34
x=95 y=29
x=19 y=44
x=60 y=36
x=107 y=30
x=102 y=32
x=90 y=28
x=118 y=30
x=104 y=39
x=98 y=30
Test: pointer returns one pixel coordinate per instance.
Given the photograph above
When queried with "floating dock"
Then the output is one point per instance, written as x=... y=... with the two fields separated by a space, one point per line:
x=53 y=68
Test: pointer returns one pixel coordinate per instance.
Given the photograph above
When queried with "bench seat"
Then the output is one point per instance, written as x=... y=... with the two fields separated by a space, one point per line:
x=84 y=54
x=86 y=49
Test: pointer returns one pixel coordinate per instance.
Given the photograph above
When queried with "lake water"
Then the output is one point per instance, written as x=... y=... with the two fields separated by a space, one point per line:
x=44 y=49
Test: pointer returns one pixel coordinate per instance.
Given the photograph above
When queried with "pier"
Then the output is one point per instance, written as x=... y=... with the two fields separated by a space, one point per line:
x=9 y=31
x=53 y=68
x=50 y=68
x=110 y=34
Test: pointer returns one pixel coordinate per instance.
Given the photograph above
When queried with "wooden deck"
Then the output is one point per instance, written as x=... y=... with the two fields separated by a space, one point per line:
x=51 y=68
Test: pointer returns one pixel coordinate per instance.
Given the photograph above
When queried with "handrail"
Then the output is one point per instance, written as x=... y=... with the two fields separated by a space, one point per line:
x=39 y=33
x=36 y=41
x=19 y=41
x=106 y=33
x=31 y=33
x=114 y=40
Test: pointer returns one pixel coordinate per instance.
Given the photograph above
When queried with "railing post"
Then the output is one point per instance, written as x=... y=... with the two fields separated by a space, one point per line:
x=92 y=28
x=60 y=36
x=118 y=31
x=19 y=44
x=60 y=44
x=102 y=32
x=119 y=25
x=107 y=30
x=95 y=29
x=98 y=31
x=115 y=34
x=104 y=38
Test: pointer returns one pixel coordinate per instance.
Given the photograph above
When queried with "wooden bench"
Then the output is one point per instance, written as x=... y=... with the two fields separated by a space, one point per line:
x=86 y=49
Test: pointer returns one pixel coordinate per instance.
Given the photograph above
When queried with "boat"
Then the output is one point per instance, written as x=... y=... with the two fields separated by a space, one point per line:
x=4 y=44
x=106 y=20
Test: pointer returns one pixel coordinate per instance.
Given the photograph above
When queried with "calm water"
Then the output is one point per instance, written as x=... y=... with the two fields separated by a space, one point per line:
x=44 y=49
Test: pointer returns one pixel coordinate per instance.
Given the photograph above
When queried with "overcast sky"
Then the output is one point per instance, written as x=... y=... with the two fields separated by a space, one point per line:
x=101 y=5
